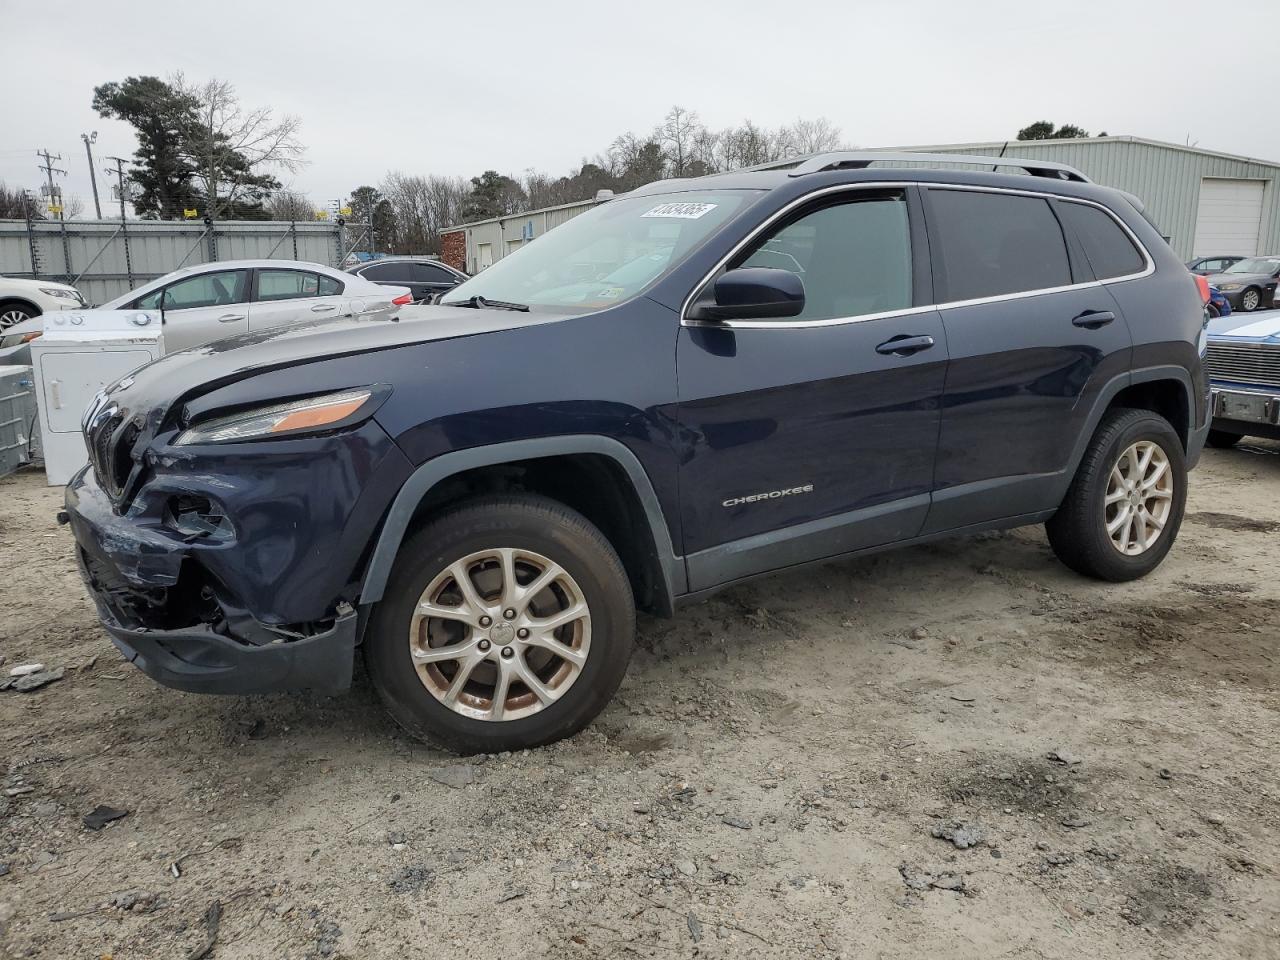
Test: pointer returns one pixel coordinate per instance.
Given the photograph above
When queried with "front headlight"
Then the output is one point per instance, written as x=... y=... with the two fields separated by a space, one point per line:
x=61 y=294
x=1230 y=286
x=300 y=416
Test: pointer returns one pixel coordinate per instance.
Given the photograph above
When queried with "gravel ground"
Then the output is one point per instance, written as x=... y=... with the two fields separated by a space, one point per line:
x=960 y=750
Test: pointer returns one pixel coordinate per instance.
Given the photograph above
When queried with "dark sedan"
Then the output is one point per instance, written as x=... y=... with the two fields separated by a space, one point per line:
x=1207 y=266
x=423 y=276
x=1249 y=284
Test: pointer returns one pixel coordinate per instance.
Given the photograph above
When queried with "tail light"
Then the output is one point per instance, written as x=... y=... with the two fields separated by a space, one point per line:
x=1203 y=285
x=407 y=298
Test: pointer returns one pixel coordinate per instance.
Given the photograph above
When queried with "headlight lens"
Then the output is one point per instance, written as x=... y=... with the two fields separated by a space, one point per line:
x=300 y=416
x=61 y=294
x=1230 y=286
x=15 y=339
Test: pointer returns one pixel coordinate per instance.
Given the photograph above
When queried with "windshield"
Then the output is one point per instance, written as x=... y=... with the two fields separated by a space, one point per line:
x=1255 y=265
x=606 y=255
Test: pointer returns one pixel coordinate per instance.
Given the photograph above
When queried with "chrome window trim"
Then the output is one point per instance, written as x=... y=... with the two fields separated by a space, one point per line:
x=1147 y=270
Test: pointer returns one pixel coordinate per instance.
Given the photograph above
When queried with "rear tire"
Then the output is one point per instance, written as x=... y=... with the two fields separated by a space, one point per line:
x=411 y=651
x=1223 y=439
x=1123 y=509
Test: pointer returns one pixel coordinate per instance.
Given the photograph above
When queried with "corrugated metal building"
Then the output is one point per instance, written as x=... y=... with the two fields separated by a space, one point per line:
x=487 y=241
x=1204 y=202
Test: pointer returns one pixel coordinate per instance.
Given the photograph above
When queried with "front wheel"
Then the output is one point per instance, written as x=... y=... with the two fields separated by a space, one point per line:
x=1124 y=507
x=507 y=623
x=1250 y=300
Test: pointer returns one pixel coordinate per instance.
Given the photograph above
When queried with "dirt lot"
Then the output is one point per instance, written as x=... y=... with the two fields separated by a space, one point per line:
x=767 y=784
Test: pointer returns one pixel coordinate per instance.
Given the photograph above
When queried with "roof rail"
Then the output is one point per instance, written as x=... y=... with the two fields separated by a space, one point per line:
x=860 y=159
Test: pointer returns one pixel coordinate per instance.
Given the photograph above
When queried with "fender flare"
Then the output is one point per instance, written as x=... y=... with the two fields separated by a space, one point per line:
x=446 y=465
x=1109 y=392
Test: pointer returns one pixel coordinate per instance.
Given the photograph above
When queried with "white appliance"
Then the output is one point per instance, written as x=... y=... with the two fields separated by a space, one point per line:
x=79 y=354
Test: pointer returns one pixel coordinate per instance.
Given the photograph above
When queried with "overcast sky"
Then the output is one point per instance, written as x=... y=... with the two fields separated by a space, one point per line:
x=456 y=88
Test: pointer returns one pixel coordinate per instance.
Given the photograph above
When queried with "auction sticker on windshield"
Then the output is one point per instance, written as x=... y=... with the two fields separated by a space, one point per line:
x=681 y=211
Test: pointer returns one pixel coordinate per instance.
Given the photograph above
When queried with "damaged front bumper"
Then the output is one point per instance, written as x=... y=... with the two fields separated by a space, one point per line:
x=177 y=628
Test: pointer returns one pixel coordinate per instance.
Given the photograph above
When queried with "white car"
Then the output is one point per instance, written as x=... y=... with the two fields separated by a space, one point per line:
x=216 y=300
x=21 y=300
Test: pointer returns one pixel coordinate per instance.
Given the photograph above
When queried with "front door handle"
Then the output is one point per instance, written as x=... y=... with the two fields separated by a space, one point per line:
x=230 y=317
x=1093 y=319
x=323 y=308
x=904 y=346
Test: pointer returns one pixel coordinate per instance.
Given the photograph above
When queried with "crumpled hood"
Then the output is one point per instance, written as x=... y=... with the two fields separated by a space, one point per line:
x=152 y=390
x=1218 y=279
x=1247 y=326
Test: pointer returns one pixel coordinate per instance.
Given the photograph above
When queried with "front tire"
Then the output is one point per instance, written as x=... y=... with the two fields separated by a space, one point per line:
x=507 y=623
x=13 y=313
x=1123 y=509
x=1250 y=300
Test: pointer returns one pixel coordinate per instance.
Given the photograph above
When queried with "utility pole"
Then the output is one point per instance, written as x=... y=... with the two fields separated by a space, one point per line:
x=124 y=235
x=56 y=193
x=92 y=138
x=49 y=170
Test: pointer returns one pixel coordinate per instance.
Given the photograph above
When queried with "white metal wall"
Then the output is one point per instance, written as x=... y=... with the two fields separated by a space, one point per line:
x=501 y=231
x=92 y=253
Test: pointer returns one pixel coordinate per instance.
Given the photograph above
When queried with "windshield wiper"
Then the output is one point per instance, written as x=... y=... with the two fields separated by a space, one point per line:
x=478 y=302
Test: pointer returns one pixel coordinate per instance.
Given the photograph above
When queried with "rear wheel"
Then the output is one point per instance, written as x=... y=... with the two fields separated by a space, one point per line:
x=507 y=623
x=1125 y=505
x=1250 y=300
x=1224 y=439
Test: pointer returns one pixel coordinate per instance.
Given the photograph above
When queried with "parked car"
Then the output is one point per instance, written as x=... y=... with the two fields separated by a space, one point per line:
x=1207 y=266
x=424 y=276
x=216 y=300
x=21 y=300
x=1250 y=283
x=1218 y=305
x=683 y=388
x=1243 y=361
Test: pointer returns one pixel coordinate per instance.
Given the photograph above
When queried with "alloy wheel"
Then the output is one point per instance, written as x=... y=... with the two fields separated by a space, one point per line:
x=11 y=317
x=1250 y=301
x=500 y=634
x=1139 y=498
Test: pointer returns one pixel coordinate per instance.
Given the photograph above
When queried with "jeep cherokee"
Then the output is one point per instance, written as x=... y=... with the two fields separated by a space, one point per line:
x=687 y=386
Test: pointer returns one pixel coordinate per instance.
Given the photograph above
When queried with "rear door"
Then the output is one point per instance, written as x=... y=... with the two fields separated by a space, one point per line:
x=204 y=307
x=284 y=296
x=1033 y=339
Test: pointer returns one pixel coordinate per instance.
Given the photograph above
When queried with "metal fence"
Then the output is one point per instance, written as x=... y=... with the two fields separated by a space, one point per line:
x=106 y=258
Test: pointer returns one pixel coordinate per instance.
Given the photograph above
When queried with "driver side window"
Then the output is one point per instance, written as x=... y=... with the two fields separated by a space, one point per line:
x=206 y=290
x=853 y=256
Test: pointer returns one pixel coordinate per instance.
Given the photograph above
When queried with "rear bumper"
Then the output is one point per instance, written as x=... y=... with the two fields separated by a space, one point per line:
x=135 y=575
x=1250 y=413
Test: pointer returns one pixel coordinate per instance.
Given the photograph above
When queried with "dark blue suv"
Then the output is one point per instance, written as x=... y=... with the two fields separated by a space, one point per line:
x=686 y=387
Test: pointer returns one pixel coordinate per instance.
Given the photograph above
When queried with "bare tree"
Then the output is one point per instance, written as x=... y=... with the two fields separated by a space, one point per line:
x=812 y=136
x=235 y=149
x=677 y=133
x=290 y=205
x=15 y=204
x=420 y=207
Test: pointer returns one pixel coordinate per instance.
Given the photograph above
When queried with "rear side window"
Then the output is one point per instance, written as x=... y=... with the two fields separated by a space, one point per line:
x=1110 y=251
x=389 y=272
x=994 y=244
x=293 y=285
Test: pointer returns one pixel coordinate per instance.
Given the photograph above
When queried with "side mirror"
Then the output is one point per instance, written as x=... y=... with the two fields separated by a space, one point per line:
x=751 y=293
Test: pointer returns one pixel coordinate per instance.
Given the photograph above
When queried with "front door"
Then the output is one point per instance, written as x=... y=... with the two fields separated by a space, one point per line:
x=207 y=306
x=814 y=436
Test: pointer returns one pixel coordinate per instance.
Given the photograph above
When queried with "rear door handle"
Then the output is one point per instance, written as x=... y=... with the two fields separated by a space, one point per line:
x=230 y=317
x=1093 y=319
x=904 y=346
x=323 y=308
